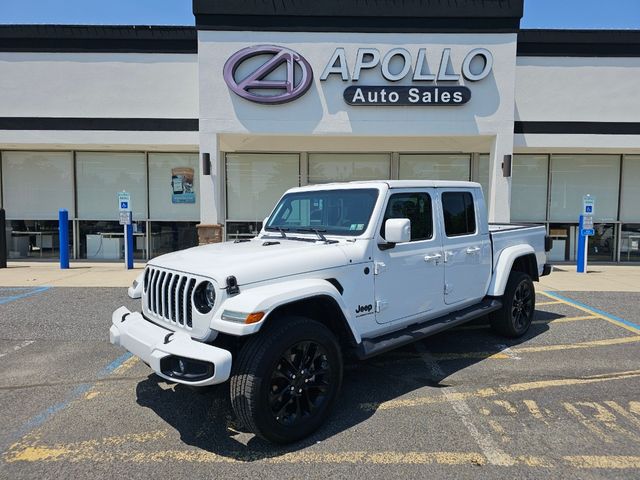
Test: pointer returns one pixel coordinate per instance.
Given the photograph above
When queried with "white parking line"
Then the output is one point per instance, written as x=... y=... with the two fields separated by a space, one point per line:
x=15 y=348
x=495 y=455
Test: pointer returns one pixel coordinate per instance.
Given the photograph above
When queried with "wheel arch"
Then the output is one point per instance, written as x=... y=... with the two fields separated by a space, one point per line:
x=323 y=309
x=521 y=258
x=317 y=299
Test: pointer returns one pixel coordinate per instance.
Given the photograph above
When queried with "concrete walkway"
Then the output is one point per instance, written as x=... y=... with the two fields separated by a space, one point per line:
x=605 y=278
x=81 y=274
x=600 y=278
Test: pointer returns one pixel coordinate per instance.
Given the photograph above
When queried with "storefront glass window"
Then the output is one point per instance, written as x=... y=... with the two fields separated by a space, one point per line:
x=346 y=167
x=563 y=237
x=104 y=240
x=37 y=184
x=100 y=176
x=174 y=186
x=630 y=243
x=171 y=236
x=255 y=183
x=573 y=176
x=434 y=167
x=529 y=188
x=602 y=245
x=630 y=198
x=34 y=238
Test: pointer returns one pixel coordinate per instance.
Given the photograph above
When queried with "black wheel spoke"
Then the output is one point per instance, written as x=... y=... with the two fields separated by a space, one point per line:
x=300 y=383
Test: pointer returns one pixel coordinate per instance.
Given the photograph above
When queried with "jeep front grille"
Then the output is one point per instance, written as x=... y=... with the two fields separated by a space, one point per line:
x=168 y=296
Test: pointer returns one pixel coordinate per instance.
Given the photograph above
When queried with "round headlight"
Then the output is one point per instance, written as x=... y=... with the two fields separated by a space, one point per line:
x=204 y=297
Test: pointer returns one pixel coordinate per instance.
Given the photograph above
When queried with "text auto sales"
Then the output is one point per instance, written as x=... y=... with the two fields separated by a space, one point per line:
x=477 y=65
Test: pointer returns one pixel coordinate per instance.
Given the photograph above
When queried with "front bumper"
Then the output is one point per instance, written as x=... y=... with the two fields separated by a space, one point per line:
x=152 y=343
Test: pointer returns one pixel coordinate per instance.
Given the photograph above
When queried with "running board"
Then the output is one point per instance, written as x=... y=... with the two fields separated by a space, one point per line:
x=375 y=346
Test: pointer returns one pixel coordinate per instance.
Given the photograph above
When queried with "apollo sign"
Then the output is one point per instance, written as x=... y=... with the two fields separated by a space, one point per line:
x=395 y=65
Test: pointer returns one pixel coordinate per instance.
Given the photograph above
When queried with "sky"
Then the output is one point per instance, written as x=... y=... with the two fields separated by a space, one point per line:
x=538 y=13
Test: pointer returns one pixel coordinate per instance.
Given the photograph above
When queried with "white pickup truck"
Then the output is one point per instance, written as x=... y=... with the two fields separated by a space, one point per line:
x=360 y=267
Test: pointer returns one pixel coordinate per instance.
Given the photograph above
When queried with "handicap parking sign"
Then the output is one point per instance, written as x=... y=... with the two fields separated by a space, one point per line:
x=124 y=201
x=588 y=209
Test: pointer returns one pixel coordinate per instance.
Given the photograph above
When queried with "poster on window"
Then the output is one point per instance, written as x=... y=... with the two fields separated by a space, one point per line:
x=182 y=185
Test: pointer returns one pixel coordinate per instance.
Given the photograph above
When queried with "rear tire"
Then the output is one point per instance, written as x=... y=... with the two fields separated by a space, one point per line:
x=518 y=305
x=286 y=379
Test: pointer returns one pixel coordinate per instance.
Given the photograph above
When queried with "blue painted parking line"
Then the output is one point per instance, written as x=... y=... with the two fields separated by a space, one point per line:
x=13 y=294
x=40 y=418
x=597 y=311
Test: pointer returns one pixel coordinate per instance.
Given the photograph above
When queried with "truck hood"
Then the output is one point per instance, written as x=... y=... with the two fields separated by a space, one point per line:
x=254 y=261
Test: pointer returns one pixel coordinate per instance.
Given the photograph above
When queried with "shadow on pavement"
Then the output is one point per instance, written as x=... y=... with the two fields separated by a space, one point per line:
x=205 y=420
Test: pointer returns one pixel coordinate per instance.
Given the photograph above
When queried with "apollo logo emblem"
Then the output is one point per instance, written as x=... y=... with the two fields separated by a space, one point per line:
x=299 y=75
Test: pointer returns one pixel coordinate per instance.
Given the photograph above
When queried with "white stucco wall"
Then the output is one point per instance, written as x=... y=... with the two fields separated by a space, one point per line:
x=577 y=89
x=98 y=85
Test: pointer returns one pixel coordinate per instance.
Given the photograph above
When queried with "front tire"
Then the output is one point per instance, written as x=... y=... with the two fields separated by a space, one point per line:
x=519 y=300
x=286 y=379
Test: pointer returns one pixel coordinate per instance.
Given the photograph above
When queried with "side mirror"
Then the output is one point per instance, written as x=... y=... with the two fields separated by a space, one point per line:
x=397 y=230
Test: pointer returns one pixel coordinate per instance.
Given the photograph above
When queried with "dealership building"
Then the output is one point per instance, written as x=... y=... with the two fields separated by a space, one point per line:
x=207 y=126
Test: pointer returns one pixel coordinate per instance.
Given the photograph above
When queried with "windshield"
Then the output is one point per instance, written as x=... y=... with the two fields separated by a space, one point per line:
x=332 y=212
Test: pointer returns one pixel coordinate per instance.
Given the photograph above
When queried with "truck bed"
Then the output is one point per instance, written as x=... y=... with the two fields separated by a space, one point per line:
x=505 y=235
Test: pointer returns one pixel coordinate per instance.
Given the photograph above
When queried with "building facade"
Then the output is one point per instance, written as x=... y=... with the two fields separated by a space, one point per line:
x=206 y=127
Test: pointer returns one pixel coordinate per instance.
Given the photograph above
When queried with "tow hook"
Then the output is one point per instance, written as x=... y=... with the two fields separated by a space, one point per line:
x=167 y=338
x=124 y=317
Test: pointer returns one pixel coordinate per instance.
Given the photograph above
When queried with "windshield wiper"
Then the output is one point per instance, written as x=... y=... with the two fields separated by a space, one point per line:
x=317 y=231
x=282 y=230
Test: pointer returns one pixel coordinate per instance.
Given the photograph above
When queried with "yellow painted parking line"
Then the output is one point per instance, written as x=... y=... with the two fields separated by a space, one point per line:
x=544 y=304
x=594 y=313
x=126 y=365
x=567 y=319
x=90 y=454
x=601 y=461
x=501 y=390
x=536 y=349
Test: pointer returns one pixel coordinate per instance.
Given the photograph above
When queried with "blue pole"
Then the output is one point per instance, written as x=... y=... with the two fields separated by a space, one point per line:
x=63 y=228
x=581 y=263
x=129 y=246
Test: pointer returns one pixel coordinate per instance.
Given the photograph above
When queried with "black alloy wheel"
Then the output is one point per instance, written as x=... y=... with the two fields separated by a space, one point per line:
x=286 y=379
x=299 y=383
x=522 y=306
x=518 y=306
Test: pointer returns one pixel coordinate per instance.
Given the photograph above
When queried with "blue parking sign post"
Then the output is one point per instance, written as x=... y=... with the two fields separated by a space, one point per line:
x=585 y=230
x=124 y=207
x=583 y=241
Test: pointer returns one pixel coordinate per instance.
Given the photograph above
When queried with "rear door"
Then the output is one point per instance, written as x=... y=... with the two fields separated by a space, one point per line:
x=467 y=247
x=409 y=276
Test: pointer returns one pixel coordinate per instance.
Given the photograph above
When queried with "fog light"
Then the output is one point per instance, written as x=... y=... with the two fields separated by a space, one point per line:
x=186 y=369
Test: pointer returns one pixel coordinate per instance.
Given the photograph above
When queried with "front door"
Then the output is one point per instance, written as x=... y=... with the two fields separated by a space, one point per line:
x=409 y=277
x=467 y=248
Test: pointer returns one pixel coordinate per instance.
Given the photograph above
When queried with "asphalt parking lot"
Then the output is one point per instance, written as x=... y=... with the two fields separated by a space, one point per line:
x=563 y=402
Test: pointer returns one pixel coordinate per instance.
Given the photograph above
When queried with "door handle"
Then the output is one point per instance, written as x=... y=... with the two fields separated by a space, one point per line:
x=431 y=258
x=472 y=250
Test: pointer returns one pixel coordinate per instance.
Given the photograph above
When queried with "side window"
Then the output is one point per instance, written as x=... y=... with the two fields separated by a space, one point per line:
x=417 y=208
x=459 y=213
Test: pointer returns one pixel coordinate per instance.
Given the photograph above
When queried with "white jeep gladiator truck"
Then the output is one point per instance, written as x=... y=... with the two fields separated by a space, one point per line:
x=347 y=268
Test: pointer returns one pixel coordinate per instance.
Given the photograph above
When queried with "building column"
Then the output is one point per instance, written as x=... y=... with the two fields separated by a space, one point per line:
x=210 y=228
x=499 y=195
